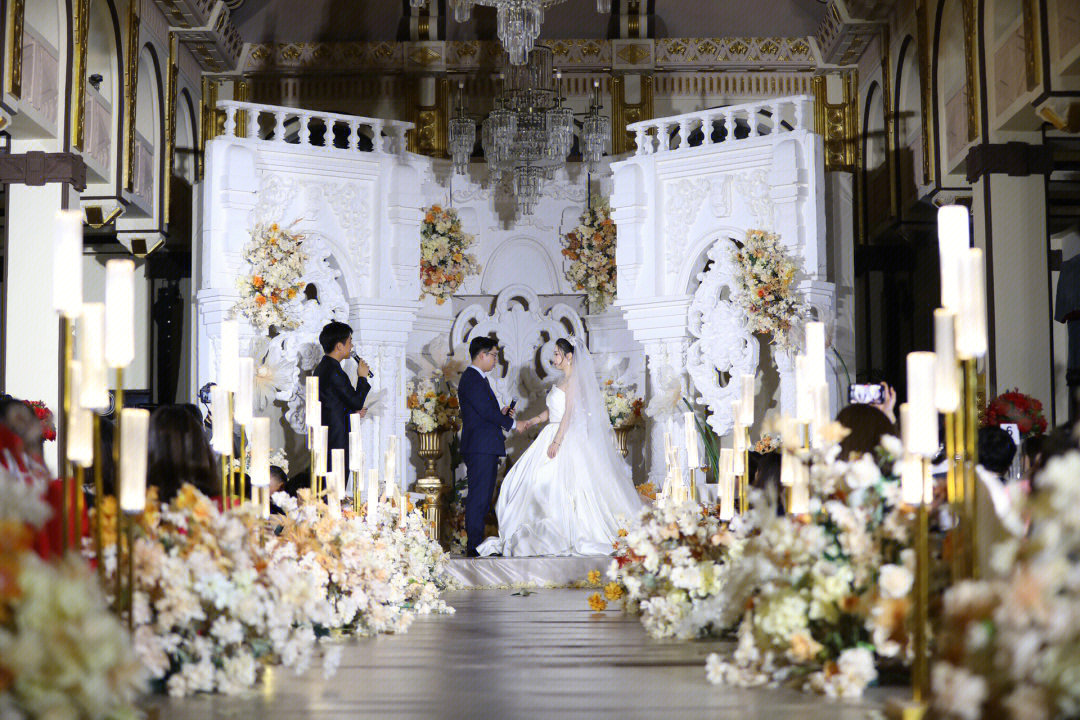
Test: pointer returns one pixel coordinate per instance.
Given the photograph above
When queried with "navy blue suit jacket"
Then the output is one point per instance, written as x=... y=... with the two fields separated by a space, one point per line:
x=482 y=421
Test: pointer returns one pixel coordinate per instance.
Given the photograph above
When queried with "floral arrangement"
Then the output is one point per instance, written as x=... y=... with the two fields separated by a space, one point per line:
x=764 y=280
x=590 y=247
x=668 y=568
x=1010 y=644
x=822 y=598
x=458 y=541
x=444 y=260
x=766 y=444
x=221 y=595
x=62 y=653
x=432 y=403
x=268 y=294
x=1016 y=407
x=44 y=416
x=623 y=408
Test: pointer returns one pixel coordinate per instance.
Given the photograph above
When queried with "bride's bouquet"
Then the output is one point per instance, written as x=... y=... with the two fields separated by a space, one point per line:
x=432 y=403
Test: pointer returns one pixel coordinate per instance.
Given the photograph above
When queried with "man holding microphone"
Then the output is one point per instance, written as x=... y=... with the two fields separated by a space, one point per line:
x=338 y=396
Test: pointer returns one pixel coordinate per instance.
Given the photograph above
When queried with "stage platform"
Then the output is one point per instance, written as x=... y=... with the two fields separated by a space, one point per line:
x=540 y=572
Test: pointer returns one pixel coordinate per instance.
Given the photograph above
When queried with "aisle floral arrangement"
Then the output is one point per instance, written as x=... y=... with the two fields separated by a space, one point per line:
x=62 y=652
x=1010 y=644
x=268 y=296
x=222 y=595
x=764 y=287
x=432 y=403
x=623 y=407
x=590 y=247
x=1016 y=407
x=444 y=258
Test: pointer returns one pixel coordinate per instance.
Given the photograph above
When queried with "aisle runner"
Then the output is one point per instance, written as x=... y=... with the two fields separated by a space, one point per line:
x=498 y=572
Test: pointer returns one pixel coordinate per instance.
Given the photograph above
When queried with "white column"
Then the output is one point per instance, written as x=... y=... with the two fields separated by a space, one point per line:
x=32 y=328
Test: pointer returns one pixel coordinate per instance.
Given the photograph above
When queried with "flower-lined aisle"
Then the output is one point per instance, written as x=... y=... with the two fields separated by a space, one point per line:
x=220 y=595
x=62 y=652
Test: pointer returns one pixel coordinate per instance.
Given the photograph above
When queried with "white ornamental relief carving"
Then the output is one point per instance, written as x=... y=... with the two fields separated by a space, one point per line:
x=722 y=343
x=682 y=202
x=720 y=195
x=523 y=334
x=753 y=185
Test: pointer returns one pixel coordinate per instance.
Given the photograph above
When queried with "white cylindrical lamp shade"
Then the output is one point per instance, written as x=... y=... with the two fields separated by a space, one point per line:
x=80 y=428
x=134 y=427
x=119 y=313
x=337 y=471
x=693 y=458
x=922 y=409
x=321 y=439
x=67 y=263
x=971 y=320
x=221 y=439
x=727 y=484
x=746 y=400
x=244 y=403
x=356 y=451
x=946 y=382
x=912 y=480
x=953 y=241
x=93 y=388
x=815 y=351
x=804 y=398
x=312 y=418
x=373 y=498
x=259 y=438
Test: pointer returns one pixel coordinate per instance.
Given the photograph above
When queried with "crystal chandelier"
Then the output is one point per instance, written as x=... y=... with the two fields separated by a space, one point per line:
x=518 y=21
x=529 y=133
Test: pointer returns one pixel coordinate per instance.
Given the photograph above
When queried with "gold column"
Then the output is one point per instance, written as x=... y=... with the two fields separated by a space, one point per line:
x=838 y=124
x=80 y=25
x=242 y=93
x=429 y=135
x=624 y=113
x=209 y=117
x=13 y=41
x=131 y=87
x=170 y=127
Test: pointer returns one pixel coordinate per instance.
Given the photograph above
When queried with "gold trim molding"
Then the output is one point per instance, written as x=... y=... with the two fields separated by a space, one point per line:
x=16 y=14
x=80 y=24
x=170 y=128
x=624 y=113
x=1032 y=49
x=838 y=124
x=922 y=45
x=971 y=67
x=131 y=87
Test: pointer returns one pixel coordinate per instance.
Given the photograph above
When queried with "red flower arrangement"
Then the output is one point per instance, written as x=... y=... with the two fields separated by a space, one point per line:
x=1014 y=406
x=44 y=416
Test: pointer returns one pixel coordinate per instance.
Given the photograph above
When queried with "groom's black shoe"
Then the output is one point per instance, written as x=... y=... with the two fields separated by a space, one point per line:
x=471 y=552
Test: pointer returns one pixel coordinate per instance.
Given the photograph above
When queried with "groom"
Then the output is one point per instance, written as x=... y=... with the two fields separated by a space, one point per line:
x=482 y=427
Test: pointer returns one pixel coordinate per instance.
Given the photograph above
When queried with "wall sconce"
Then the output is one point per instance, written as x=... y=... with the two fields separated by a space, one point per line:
x=95 y=216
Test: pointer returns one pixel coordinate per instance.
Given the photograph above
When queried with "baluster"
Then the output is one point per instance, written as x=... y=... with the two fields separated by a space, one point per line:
x=639 y=139
x=800 y=107
x=354 y=134
x=664 y=144
x=776 y=117
x=305 y=131
x=752 y=118
x=376 y=137
x=279 y=126
x=684 y=133
x=230 y=120
x=706 y=128
x=729 y=125
x=253 y=123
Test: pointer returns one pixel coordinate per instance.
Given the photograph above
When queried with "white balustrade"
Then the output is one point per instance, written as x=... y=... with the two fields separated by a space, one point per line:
x=796 y=108
x=387 y=136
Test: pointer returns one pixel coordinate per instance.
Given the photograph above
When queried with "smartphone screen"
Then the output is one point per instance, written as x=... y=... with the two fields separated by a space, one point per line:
x=866 y=394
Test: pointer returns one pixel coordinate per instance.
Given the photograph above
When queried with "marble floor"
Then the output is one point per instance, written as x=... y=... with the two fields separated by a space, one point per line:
x=541 y=655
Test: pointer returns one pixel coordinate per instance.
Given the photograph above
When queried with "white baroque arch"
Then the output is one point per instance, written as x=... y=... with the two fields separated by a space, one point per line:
x=721 y=342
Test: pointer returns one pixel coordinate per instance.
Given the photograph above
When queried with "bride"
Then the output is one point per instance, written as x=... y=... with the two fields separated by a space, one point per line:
x=566 y=493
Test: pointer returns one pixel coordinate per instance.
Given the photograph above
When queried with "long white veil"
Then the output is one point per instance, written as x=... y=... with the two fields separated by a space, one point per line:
x=589 y=417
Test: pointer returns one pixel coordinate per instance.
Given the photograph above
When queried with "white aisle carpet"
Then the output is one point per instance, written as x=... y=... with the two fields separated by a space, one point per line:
x=546 y=572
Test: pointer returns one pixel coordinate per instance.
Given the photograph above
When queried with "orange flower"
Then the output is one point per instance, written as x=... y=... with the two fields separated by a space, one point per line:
x=260 y=300
x=291 y=293
x=257 y=281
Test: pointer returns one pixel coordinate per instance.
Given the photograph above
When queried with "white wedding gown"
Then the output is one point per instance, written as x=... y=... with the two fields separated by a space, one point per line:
x=567 y=505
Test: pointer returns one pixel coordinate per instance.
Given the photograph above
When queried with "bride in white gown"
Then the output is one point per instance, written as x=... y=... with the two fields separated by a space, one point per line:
x=567 y=492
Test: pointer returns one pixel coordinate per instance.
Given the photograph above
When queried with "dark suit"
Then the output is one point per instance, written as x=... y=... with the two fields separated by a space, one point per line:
x=339 y=400
x=482 y=444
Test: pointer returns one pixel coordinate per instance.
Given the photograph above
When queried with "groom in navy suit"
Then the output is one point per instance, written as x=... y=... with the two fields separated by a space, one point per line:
x=482 y=427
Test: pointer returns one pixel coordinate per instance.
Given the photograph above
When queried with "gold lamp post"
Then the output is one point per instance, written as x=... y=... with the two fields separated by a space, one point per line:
x=431 y=484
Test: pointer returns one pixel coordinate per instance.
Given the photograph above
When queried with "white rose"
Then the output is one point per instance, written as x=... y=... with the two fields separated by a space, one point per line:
x=895 y=581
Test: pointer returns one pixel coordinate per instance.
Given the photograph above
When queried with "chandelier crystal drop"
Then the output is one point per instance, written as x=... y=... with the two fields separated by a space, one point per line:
x=595 y=130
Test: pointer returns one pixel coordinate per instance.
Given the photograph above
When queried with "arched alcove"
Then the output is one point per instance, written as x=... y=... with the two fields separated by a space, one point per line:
x=149 y=132
x=43 y=68
x=185 y=144
x=950 y=87
x=520 y=261
x=875 y=179
x=909 y=130
x=104 y=98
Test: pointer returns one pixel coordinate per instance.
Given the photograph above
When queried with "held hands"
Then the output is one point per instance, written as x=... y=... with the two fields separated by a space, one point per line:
x=363 y=412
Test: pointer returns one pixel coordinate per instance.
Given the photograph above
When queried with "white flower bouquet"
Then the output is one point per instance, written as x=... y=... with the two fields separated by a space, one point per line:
x=432 y=403
x=444 y=260
x=269 y=295
x=764 y=287
x=590 y=247
x=623 y=407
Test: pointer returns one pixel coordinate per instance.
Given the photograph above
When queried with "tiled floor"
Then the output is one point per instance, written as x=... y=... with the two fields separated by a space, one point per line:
x=543 y=655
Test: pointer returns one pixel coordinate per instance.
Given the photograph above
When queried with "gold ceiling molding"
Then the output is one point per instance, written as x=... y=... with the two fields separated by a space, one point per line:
x=758 y=53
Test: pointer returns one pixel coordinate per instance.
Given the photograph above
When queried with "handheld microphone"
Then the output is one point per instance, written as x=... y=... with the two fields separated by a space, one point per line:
x=370 y=372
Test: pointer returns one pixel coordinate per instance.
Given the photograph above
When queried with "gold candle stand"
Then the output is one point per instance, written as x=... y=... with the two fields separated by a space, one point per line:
x=118 y=406
x=243 y=463
x=65 y=425
x=971 y=459
x=99 y=491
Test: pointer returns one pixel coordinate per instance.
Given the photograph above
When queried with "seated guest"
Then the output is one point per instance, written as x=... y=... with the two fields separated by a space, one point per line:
x=279 y=482
x=179 y=453
x=998 y=500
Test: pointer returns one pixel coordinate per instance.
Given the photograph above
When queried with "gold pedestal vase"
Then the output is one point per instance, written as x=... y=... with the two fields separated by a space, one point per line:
x=431 y=484
x=622 y=435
